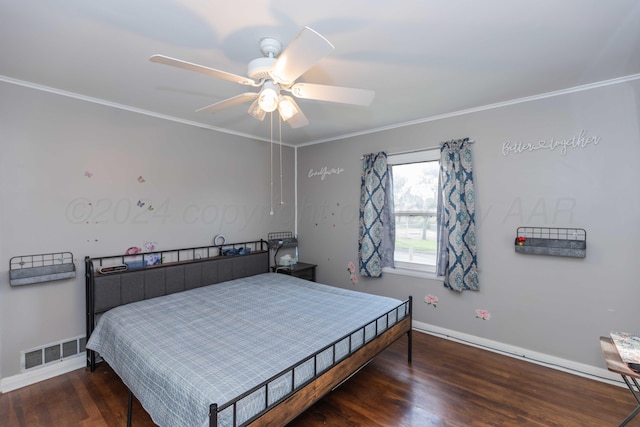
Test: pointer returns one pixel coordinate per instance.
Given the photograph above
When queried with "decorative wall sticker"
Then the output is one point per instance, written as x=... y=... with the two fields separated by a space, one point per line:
x=141 y=179
x=581 y=140
x=88 y=174
x=483 y=314
x=351 y=268
x=149 y=246
x=133 y=250
x=150 y=208
x=151 y=259
x=324 y=172
x=431 y=300
x=140 y=203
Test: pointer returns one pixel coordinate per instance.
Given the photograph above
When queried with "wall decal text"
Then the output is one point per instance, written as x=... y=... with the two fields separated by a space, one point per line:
x=324 y=172
x=581 y=140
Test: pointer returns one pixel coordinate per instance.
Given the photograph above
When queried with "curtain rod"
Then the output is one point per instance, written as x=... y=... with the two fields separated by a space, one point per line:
x=417 y=150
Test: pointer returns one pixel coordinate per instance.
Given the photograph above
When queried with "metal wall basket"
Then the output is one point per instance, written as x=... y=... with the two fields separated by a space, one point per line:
x=567 y=242
x=27 y=269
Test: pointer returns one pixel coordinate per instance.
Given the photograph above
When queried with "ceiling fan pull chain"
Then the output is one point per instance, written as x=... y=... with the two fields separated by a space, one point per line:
x=271 y=163
x=280 y=128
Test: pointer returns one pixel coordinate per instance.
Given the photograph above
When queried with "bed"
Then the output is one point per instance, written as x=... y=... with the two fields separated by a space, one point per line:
x=208 y=336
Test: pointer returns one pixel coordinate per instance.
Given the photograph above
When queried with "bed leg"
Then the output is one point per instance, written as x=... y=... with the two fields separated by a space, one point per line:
x=410 y=331
x=130 y=409
x=92 y=360
x=213 y=415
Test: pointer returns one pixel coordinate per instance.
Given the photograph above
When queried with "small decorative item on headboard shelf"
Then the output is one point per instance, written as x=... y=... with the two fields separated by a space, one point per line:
x=27 y=269
x=569 y=242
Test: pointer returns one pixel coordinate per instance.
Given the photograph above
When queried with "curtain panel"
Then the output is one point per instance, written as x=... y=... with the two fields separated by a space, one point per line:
x=457 y=250
x=376 y=242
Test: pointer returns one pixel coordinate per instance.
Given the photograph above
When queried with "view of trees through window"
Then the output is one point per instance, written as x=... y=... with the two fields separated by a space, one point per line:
x=415 y=187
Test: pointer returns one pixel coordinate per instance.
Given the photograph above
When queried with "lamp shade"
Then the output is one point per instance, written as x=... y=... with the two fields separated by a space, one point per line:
x=287 y=108
x=256 y=111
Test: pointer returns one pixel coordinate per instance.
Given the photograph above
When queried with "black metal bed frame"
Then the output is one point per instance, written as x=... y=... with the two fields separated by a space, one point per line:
x=402 y=311
x=181 y=264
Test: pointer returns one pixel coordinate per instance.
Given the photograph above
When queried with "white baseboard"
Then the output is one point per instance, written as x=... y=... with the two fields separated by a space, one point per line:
x=40 y=374
x=569 y=366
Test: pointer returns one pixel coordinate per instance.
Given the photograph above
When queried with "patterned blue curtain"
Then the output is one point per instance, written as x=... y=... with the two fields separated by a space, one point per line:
x=457 y=252
x=376 y=242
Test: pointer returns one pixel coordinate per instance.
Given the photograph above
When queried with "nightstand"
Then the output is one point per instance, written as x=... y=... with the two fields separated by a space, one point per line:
x=301 y=270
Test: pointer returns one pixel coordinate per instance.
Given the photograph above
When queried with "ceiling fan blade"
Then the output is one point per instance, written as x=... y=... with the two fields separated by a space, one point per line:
x=345 y=95
x=230 y=102
x=302 y=53
x=161 y=59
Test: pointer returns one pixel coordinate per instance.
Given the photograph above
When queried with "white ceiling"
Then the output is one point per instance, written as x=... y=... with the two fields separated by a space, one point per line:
x=423 y=58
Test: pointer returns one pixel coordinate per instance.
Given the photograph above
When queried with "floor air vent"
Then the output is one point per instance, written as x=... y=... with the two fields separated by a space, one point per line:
x=51 y=353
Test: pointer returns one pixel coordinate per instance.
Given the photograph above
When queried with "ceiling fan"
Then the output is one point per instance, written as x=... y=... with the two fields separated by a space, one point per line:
x=275 y=74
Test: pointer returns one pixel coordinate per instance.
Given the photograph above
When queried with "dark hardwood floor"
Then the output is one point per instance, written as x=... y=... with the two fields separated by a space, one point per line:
x=448 y=384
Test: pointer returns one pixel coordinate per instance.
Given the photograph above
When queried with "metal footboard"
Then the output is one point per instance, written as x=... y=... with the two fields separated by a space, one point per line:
x=388 y=320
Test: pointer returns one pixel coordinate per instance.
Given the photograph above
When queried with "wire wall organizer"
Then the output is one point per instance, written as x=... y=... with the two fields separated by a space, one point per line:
x=568 y=242
x=27 y=269
x=282 y=239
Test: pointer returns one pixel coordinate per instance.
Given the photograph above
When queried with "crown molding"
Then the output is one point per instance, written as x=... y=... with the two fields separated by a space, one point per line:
x=574 y=89
x=129 y=108
x=74 y=95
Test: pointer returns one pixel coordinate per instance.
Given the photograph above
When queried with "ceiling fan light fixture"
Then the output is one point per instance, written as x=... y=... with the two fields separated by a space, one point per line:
x=276 y=72
x=256 y=111
x=269 y=96
x=287 y=108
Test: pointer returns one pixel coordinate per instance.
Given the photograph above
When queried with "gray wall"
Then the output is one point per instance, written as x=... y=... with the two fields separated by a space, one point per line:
x=550 y=305
x=199 y=182
x=202 y=183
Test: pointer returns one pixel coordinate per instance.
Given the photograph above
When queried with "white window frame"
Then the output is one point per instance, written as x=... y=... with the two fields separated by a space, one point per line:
x=404 y=268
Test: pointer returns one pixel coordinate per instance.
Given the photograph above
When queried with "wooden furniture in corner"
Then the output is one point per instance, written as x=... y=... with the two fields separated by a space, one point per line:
x=630 y=377
x=301 y=270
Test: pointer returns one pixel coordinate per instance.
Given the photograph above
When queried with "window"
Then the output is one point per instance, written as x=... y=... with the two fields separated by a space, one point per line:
x=415 y=194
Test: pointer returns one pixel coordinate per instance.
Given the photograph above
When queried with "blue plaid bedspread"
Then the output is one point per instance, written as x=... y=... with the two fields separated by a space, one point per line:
x=181 y=352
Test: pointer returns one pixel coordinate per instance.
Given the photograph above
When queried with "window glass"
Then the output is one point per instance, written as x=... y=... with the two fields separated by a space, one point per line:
x=415 y=187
